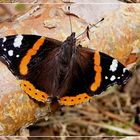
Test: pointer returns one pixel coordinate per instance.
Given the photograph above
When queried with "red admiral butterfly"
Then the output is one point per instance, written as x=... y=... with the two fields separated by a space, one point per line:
x=65 y=72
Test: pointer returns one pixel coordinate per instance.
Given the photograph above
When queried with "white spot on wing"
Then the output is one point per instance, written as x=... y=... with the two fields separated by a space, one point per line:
x=10 y=52
x=118 y=77
x=5 y=49
x=17 y=55
x=124 y=70
x=18 y=41
x=114 y=65
x=106 y=77
x=4 y=39
x=112 y=78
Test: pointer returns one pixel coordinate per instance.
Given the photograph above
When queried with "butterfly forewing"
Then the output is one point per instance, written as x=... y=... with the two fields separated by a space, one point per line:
x=101 y=70
x=30 y=48
x=113 y=72
x=25 y=55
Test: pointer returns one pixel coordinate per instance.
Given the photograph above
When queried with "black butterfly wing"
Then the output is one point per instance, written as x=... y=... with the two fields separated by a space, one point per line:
x=91 y=73
x=32 y=48
x=24 y=54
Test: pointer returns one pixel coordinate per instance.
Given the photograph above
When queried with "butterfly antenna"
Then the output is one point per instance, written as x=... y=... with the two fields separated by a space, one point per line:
x=70 y=19
x=88 y=28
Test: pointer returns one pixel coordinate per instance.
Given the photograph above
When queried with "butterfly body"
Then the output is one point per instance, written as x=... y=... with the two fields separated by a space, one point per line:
x=60 y=71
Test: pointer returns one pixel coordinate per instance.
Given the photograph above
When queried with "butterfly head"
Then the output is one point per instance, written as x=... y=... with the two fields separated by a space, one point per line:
x=67 y=48
x=71 y=40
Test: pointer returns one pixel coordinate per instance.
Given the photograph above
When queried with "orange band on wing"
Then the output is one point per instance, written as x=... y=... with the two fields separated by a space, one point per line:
x=74 y=100
x=23 y=68
x=98 y=70
x=33 y=92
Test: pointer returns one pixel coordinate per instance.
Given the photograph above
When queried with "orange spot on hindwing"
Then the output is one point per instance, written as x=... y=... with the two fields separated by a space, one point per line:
x=23 y=67
x=33 y=92
x=98 y=70
x=74 y=100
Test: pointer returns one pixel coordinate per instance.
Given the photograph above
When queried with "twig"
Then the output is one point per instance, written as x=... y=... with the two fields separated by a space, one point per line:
x=118 y=103
x=106 y=126
x=111 y=115
x=117 y=117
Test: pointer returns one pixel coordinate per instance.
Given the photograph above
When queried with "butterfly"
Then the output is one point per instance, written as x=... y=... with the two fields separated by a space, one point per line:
x=53 y=71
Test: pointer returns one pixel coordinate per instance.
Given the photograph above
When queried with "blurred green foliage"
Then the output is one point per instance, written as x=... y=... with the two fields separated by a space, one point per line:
x=119 y=125
x=20 y=7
